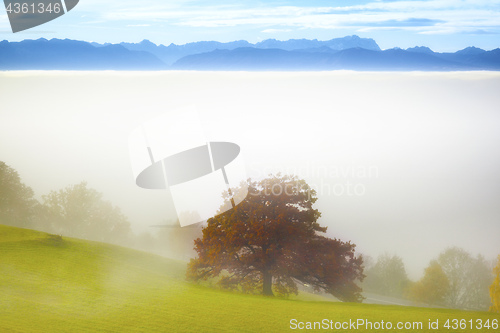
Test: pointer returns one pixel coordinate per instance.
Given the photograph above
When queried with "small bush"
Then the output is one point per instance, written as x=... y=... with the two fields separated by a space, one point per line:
x=56 y=240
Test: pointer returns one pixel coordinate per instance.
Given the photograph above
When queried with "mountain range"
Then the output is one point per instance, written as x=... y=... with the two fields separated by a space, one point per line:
x=42 y=54
x=171 y=53
x=351 y=53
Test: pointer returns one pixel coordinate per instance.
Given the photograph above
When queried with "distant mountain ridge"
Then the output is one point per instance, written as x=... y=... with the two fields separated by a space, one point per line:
x=351 y=53
x=171 y=53
x=344 y=43
x=420 y=59
x=57 y=54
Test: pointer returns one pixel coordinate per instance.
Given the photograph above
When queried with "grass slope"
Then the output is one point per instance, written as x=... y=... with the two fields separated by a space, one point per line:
x=49 y=285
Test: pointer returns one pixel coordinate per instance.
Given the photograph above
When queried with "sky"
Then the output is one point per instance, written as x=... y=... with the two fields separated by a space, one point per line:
x=403 y=163
x=442 y=25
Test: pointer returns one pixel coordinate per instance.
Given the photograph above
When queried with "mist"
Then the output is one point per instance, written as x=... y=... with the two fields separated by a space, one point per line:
x=403 y=163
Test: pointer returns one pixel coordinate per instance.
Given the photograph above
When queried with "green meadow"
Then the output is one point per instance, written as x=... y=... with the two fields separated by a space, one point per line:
x=52 y=284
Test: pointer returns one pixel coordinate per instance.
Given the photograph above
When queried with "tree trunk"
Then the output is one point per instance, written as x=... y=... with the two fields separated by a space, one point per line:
x=268 y=284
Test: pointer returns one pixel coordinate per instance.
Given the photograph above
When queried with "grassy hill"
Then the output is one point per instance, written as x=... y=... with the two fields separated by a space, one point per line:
x=49 y=284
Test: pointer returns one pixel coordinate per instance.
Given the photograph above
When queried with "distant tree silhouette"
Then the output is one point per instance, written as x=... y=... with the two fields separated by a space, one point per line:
x=387 y=277
x=17 y=203
x=469 y=279
x=79 y=211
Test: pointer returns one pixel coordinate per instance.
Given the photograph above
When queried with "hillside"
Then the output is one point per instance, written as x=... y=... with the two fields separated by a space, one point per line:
x=48 y=284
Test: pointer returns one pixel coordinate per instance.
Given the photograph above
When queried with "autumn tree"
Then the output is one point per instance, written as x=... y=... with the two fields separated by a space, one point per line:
x=387 y=276
x=271 y=241
x=432 y=288
x=17 y=203
x=495 y=289
x=79 y=211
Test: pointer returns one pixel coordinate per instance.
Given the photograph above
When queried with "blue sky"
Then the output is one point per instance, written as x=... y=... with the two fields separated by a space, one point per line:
x=443 y=25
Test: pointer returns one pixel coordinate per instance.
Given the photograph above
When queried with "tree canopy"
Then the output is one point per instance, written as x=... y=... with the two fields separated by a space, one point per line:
x=468 y=278
x=79 y=211
x=432 y=288
x=387 y=277
x=17 y=201
x=271 y=241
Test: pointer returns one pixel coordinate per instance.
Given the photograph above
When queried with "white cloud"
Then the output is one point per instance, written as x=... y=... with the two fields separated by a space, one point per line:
x=480 y=14
x=272 y=31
